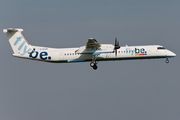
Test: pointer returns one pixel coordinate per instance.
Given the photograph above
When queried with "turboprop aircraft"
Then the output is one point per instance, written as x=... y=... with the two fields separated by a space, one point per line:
x=92 y=52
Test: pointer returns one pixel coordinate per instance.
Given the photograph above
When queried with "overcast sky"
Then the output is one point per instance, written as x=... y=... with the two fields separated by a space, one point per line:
x=118 y=90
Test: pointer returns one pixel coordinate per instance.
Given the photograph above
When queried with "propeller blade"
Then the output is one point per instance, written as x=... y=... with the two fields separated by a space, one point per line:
x=115 y=41
x=116 y=46
x=116 y=52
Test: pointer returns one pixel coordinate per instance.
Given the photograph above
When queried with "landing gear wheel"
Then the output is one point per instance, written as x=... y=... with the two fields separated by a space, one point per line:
x=92 y=64
x=167 y=61
x=95 y=67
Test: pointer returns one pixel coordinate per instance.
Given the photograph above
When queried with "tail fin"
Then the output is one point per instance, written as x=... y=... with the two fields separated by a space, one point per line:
x=18 y=42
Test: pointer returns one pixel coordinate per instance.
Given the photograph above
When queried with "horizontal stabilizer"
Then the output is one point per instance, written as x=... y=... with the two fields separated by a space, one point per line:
x=12 y=30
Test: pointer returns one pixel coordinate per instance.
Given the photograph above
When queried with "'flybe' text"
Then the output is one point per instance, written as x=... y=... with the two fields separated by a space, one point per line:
x=136 y=51
x=42 y=55
x=33 y=54
x=21 y=46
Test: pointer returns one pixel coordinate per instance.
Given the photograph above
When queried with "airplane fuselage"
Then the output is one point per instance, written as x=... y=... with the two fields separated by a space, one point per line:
x=70 y=55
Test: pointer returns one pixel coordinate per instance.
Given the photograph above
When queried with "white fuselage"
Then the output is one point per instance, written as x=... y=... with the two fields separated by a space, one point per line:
x=82 y=55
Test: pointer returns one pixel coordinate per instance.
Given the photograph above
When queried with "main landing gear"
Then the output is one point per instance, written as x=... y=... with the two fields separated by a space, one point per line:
x=167 y=60
x=93 y=64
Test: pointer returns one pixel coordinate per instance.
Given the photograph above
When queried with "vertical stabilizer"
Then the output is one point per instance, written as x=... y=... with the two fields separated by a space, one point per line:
x=18 y=42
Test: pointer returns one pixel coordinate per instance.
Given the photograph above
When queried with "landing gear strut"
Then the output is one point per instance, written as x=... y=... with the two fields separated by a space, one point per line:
x=167 y=60
x=93 y=64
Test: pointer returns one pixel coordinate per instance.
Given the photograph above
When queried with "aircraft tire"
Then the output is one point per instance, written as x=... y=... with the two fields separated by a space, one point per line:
x=95 y=67
x=92 y=64
x=167 y=61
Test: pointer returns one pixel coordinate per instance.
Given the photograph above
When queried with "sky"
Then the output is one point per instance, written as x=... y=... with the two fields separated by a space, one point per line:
x=118 y=90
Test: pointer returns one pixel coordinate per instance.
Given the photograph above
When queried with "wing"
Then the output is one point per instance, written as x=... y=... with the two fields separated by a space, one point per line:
x=92 y=44
x=94 y=48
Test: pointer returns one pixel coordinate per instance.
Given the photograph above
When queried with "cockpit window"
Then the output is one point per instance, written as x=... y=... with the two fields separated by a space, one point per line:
x=161 y=48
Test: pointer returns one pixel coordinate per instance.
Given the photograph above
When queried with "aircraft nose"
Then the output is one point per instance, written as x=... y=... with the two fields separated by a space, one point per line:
x=173 y=54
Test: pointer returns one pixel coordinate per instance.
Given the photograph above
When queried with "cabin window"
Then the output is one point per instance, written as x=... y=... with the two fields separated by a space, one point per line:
x=161 y=48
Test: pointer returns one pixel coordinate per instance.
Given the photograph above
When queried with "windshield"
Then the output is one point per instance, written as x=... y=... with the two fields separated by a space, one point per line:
x=161 y=48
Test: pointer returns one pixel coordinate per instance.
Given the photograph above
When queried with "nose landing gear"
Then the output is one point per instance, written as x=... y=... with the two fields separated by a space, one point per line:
x=167 y=60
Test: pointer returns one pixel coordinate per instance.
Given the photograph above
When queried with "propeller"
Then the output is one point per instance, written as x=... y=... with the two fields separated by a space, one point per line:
x=116 y=46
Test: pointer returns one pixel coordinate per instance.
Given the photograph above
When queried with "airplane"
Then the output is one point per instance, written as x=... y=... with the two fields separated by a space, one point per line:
x=92 y=52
